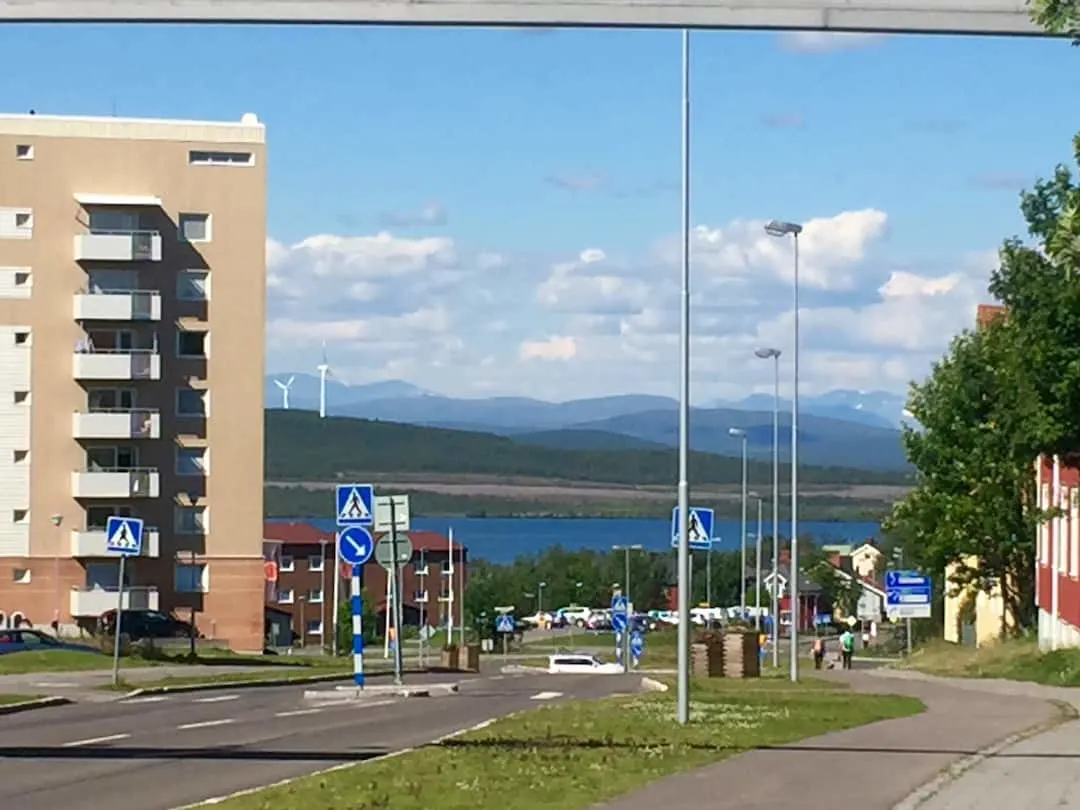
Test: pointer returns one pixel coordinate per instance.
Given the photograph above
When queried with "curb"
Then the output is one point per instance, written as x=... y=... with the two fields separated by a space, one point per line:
x=921 y=795
x=36 y=703
x=653 y=685
x=251 y=684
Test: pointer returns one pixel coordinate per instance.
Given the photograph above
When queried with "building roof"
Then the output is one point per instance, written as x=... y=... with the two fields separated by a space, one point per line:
x=301 y=532
x=986 y=314
x=247 y=130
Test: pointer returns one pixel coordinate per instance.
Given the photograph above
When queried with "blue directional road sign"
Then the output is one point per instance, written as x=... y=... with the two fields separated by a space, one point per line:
x=355 y=505
x=637 y=644
x=908 y=595
x=700 y=531
x=504 y=623
x=124 y=535
x=355 y=545
x=620 y=607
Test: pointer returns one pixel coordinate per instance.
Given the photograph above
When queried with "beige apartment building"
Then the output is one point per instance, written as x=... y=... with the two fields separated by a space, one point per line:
x=132 y=309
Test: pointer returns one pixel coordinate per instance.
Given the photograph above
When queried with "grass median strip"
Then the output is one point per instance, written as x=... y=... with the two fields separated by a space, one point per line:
x=1016 y=660
x=11 y=700
x=574 y=755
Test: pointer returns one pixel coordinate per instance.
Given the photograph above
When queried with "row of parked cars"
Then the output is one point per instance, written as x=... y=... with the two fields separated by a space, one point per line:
x=585 y=618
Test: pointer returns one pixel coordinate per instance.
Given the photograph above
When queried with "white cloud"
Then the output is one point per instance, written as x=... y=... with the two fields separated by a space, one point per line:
x=826 y=41
x=468 y=321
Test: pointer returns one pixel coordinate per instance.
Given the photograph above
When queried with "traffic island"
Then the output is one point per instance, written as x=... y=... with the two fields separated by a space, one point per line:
x=354 y=694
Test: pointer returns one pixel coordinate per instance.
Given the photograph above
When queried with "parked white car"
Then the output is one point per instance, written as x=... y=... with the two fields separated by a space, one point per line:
x=579 y=663
x=576 y=615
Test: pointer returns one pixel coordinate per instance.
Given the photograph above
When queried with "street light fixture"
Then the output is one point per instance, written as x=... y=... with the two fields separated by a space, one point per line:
x=782 y=229
x=768 y=353
x=739 y=433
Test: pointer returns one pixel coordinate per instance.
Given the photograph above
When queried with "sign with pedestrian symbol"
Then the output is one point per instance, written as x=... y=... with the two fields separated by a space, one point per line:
x=354 y=504
x=123 y=535
x=504 y=623
x=699 y=528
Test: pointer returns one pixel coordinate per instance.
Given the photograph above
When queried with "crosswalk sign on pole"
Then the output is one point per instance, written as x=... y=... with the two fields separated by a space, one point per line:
x=355 y=504
x=699 y=528
x=123 y=535
x=504 y=624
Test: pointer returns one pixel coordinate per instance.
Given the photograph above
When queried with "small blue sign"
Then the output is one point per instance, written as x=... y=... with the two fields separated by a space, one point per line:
x=124 y=535
x=355 y=545
x=637 y=644
x=620 y=608
x=505 y=623
x=907 y=588
x=355 y=505
x=700 y=531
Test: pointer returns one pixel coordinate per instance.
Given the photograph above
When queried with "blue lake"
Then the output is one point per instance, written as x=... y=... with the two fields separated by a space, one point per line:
x=501 y=540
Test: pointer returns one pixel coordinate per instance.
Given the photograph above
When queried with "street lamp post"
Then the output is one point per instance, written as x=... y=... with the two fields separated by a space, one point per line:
x=540 y=598
x=774 y=355
x=626 y=592
x=57 y=519
x=757 y=565
x=783 y=229
x=741 y=434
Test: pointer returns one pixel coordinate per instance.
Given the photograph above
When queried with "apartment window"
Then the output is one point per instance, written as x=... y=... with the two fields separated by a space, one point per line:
x=191 y=402
x=314 y=596
x=106 y=220
x=20 y=515
x=314 y=627
x=193 y=285
x=20 y=576
x=420 y=596
x=110 y=399
x=199 y=157
x=192 y=578
x=288 y=565
x=24 y=219
x=419 y=565
x=22 y=337
x=191 y=344
x=315 y=562
x=20 y=397
x=19 y=456
x=191 y=519
x=112 y=458
x=285 y=596
x=98 y=516
x=24 y=151
x=16 y=223
x=192 y=461
x=194 y=227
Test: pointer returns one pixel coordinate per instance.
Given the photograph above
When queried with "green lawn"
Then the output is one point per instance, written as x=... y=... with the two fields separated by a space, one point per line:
x=8 y=700
x=77 y=661
x=573 y=756
x=1017 y=660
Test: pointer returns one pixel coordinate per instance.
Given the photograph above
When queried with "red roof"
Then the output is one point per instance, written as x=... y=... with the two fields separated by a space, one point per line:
x=304 y=533
x=988 y=313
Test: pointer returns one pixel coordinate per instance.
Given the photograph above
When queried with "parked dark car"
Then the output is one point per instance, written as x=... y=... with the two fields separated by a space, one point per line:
x=23 y=640
x=140 y=624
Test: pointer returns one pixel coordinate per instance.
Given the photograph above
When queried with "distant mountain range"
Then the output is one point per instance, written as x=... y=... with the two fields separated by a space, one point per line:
x=840 y=428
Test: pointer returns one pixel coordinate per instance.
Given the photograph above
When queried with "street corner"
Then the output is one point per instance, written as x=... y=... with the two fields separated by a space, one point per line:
x=381 y=692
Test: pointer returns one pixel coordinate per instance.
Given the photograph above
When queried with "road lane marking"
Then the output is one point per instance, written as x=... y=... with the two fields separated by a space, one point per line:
x=206 y=724
x=57 y=684
x=216 y=699
x=151 y=699
x=96 y=740
x=297 y=712
x=546 y=696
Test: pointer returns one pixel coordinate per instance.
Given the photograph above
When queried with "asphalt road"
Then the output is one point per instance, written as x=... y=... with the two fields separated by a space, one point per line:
x=164 y=752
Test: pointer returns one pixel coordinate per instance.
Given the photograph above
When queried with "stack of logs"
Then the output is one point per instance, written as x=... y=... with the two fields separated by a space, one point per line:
x=725 y=655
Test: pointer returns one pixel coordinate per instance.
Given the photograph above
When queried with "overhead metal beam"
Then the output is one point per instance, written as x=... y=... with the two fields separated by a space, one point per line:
x=865 y=16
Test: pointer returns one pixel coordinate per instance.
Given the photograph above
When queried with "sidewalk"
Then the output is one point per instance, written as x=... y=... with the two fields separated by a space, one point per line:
x=870 y=768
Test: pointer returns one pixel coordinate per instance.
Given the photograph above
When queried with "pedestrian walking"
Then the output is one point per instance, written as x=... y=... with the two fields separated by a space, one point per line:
x=819 y=652
x=847 y=648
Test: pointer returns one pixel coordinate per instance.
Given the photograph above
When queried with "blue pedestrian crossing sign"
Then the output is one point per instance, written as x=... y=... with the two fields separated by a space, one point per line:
x=355 y=504
x=504 y=623
x=699 y=528
x=355 y=545
x=620 y=607
x=637 y=644
x=124 y=535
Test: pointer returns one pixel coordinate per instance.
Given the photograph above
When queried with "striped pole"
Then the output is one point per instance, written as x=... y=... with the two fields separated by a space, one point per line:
x=357 y=628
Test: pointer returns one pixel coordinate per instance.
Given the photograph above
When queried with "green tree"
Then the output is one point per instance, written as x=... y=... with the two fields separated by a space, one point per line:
x=344 y=629
x=1058 y=17
x=838 y=589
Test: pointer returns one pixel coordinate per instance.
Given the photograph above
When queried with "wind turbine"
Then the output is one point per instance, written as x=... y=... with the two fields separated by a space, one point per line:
x=324 y=372
x=284 y=386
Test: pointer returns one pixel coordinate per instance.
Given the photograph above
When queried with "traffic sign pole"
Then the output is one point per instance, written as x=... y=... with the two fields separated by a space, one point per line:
x=123 y=536
x=396 y=596
x=357 y=626
x=119 y=615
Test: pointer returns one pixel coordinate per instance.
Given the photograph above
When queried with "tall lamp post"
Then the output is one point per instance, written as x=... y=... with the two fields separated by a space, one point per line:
x=57 y=519
x=757 y=565
x=741 y=434
x=774 y=355
x=781 y=230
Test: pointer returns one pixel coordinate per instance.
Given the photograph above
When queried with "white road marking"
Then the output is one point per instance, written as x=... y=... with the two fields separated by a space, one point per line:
x=546 y=696
x=206 y=724
x=96 y=740
x=297 y=712
x=149 y=699
x=216 y=699
x=57 y=684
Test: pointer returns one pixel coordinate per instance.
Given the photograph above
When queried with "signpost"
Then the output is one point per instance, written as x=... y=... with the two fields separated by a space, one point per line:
x=391 y=514
x=355 y=547
x=505 y=625
x=123 y=536
x=908 y=595
x=700 y=525
x=637 y=647
x=354 y=507
x=620 y=623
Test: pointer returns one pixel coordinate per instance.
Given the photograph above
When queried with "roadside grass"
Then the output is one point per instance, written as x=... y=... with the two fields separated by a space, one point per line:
x=575 y=755
x=20 y=663
x=1015 y=659
x=11 y=700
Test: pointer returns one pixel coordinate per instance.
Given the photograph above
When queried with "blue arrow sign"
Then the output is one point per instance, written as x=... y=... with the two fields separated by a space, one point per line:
x=355 y=545
x=637 y=644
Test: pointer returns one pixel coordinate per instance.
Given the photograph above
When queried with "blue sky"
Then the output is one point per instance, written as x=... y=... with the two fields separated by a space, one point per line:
x=492 y=157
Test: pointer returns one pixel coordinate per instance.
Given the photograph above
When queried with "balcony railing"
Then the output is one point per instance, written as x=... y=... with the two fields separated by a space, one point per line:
x=119 y=423
x=115 y=482
x=117 y=305
x=90 y=542
x=87 y=603
x=116 y=364
x=121 y=246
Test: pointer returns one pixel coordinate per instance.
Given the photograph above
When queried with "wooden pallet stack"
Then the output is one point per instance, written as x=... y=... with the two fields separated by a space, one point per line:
x=741 y=658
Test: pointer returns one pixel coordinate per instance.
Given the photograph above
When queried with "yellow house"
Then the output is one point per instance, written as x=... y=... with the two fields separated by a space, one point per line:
x=865 y=559
x=973 y=616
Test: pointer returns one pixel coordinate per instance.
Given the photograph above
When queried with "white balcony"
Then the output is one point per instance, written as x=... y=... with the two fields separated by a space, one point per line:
x=143 y=364
x=116 y=424
x=89 y=603
x=91 y=543
x=118 y=305
x=112 y=483
x=118 y=246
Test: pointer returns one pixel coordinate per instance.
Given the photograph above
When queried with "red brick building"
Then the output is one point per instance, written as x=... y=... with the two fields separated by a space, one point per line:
x=300 y=580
